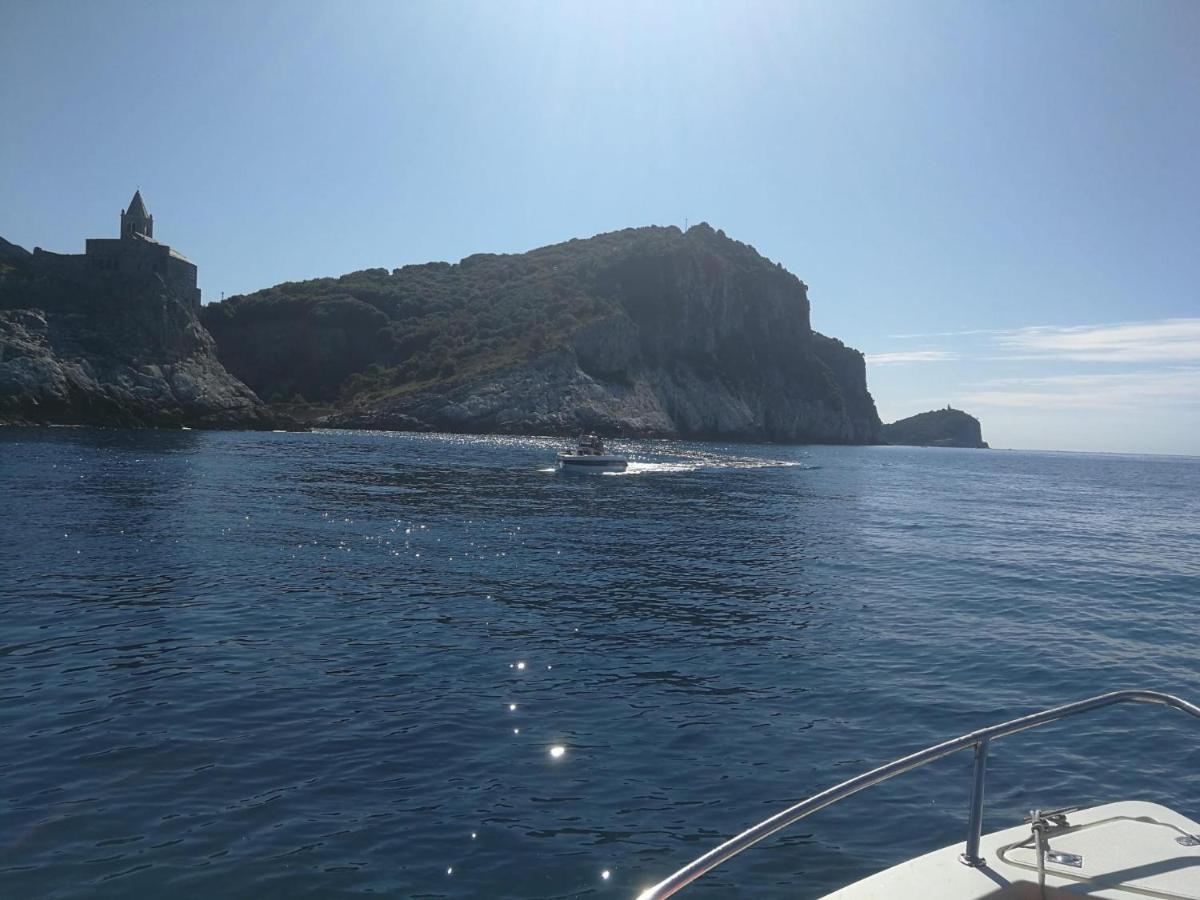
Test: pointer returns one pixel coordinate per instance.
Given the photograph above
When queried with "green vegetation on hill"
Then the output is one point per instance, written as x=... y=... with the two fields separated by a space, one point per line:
x=640 y=331
x=375 y=331
x=332 y=338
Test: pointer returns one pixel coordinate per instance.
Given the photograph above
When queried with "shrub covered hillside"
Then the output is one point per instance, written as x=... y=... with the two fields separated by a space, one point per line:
x=332 y=338
x=626 y=332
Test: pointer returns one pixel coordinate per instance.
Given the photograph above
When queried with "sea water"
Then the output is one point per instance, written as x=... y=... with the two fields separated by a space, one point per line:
x=335 y=664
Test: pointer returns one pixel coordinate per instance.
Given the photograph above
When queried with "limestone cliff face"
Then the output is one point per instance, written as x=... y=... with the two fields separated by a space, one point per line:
x=81 y=348
x=641 y=332
x=848 y=369
x=553 y=395
x=937 y=428
x=605 y=385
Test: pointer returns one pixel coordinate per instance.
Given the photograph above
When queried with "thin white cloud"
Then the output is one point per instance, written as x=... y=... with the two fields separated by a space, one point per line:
x=941 y=334
x=910 y=356
x=1174 y=387
x=1165 y=341
x=1161 y=341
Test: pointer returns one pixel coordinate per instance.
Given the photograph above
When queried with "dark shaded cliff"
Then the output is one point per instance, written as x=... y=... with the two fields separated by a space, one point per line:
x=645 y=331
x=937 y=428
x=96 y=348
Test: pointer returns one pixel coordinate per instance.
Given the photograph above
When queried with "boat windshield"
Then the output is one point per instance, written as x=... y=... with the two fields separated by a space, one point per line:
x=590 y=444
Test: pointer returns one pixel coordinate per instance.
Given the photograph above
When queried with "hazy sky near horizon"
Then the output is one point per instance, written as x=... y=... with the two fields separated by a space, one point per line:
x=998 y=202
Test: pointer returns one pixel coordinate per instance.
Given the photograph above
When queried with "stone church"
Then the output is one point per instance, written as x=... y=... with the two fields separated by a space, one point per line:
x=137 y=254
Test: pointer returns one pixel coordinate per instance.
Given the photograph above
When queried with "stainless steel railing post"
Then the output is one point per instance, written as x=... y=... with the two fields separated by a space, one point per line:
x=978 y=739
x=971 y=857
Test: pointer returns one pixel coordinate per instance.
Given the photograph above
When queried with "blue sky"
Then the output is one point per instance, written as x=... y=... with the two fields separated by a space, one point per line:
x=999 y=202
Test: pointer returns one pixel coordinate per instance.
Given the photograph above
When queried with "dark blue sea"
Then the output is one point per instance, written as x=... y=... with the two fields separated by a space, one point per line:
x=336 y=664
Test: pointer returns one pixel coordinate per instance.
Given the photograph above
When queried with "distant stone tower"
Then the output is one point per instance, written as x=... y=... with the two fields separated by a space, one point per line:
x=136 y=220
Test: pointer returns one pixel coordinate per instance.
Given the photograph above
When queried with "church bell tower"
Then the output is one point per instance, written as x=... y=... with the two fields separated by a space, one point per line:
x=135 y=220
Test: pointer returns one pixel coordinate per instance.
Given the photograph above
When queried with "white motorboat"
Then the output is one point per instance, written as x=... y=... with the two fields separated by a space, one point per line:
x=589 y=455
x=1125 y=850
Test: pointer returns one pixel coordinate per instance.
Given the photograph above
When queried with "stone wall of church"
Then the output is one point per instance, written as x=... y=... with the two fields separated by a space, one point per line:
x=72 y=263
x=127 y=257
x=138 y=260
x=181 y=276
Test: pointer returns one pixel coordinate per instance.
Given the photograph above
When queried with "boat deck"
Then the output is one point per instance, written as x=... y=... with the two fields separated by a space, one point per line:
x=1124 y=850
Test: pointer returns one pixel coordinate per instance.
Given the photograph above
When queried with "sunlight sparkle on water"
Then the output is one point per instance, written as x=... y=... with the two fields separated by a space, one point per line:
x=605 y=874
x=557 y=751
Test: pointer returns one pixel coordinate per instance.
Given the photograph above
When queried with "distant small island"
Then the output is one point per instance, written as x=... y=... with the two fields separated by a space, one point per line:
x=937 y=428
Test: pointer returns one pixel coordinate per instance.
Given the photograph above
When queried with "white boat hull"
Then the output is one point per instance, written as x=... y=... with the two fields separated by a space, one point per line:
x=1119 y=850
x=572 y=462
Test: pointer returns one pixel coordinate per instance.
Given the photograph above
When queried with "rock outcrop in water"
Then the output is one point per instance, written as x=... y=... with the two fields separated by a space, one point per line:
x=937 y=428
x=647 y=331
x=83 y=345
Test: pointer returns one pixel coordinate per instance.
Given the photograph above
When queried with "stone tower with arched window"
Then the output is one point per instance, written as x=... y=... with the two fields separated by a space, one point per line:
x=135 y=220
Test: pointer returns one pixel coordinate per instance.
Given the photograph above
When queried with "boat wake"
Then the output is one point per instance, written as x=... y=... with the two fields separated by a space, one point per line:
x=697 y=464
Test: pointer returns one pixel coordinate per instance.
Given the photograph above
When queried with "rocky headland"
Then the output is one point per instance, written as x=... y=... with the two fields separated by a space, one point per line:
x=646 y=331
x=85 y=346
x=937 y=428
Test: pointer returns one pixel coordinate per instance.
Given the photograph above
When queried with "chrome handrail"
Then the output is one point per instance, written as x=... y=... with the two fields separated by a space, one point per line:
x=980 y=740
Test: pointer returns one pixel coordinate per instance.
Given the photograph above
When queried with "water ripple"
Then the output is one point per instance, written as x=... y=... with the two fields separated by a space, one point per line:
x=332 y=663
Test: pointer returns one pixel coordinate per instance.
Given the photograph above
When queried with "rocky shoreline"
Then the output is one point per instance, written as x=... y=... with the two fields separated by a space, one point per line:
x=84 y=348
